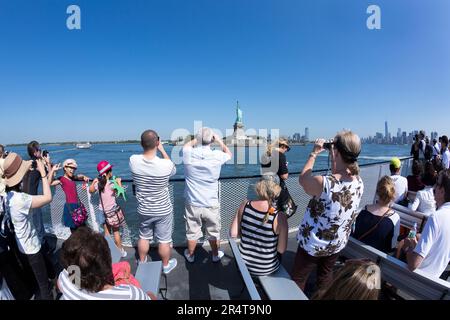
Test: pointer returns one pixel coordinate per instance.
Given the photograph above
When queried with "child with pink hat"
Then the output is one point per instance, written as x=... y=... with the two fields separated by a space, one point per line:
x=113 y=213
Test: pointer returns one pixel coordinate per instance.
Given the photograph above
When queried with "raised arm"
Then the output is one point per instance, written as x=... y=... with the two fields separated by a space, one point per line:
x=235 y=230
x=163 y=151
x=312 y=184
x=92 y=186
x=51 y=174
x=46 y=197
x=222 y=145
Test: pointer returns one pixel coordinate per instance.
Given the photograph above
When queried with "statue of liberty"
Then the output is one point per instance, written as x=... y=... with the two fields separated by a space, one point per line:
x=238 y=113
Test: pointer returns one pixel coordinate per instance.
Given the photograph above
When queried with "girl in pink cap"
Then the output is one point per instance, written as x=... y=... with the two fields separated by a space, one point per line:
x=113 y=214
x=68 y=185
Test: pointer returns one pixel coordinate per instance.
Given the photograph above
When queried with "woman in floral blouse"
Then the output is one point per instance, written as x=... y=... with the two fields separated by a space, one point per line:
x=328 y=220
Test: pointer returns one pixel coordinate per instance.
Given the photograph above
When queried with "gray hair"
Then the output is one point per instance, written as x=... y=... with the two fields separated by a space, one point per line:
x=204 y=136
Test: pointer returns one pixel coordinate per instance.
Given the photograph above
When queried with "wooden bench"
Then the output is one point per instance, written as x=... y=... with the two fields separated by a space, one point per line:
x=277 y=286
x=417 y=284
x=408 y=217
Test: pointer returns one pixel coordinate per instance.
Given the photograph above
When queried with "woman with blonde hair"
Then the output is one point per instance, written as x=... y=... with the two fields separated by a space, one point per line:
x=329 y=216
x=356 y=280
x=263 y=230
x=378 y=225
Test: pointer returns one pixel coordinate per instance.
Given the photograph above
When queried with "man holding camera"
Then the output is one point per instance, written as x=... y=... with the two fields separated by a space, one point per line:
x=31 y=185
x=202 y=171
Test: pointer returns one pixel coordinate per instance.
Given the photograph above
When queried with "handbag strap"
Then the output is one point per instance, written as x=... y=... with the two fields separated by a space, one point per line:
x=375 y=226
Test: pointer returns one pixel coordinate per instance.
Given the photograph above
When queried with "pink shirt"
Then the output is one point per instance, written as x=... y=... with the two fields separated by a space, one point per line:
x=70 y=189
x=108 y=197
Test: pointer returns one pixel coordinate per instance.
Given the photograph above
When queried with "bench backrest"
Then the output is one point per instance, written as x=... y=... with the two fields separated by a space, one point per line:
x=408 y=217
x=416 y=284
x=246 y=277
x=280 y=286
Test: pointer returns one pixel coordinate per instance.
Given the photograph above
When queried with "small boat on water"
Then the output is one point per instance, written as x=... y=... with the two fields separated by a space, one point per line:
x=86 y=145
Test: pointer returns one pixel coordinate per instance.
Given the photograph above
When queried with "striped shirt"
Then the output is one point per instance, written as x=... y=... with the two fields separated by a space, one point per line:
x=122 y=292
x=151 y=178
x=259 y=242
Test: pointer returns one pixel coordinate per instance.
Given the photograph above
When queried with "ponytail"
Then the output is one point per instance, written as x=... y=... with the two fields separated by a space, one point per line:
x=353 y=168
x=102 y=183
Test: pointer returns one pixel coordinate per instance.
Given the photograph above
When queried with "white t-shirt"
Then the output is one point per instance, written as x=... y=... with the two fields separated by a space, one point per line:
x=151 y=178
x=434 y=244
x=202 y=170
x=19 y=205
x=424 y=201
x=446 y=159
x=401 y=187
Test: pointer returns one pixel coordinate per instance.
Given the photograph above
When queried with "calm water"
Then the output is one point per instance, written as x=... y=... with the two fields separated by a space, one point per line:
x=243 y=163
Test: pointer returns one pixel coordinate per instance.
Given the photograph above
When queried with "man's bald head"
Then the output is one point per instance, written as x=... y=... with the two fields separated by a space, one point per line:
x=149 y=140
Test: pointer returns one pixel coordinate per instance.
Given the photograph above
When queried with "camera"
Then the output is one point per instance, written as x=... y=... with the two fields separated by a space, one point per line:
x=45 y=153
x=327 y=144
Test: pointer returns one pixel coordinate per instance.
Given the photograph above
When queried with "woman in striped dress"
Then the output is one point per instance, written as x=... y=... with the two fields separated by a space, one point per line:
x=262 y=229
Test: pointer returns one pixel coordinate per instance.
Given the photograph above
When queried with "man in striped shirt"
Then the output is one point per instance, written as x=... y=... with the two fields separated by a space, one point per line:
x=151 y=177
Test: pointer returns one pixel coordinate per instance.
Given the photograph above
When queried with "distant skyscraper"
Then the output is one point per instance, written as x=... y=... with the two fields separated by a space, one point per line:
x=386 y=130
x=307 y=134
x=399 y=133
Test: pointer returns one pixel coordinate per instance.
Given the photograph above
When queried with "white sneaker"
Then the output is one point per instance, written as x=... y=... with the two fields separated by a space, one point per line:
x=188 y=257
x=123 y=252
x=170 y=266
x=219 y=256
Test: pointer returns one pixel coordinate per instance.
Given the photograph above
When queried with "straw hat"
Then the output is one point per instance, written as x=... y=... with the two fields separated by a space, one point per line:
x=14 y=169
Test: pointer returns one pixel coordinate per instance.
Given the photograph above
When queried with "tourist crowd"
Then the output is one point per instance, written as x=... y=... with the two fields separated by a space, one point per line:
x=333 y=215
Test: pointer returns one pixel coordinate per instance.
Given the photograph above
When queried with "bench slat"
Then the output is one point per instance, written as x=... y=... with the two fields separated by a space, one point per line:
x=416 y=284
x=149 y=275
x=254 y=295
x=279 y=286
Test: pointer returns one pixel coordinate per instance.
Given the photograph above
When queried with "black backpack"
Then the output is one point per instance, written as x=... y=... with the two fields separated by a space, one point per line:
x=428 y=154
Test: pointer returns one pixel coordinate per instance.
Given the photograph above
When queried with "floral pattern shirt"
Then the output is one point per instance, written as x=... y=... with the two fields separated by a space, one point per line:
x=327 y=223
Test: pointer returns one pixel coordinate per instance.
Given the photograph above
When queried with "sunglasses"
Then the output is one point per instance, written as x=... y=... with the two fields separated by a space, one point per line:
x=70 y=167
x=285 y=146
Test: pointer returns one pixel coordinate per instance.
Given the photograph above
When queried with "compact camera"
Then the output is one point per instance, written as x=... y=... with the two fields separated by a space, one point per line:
x=327 y=144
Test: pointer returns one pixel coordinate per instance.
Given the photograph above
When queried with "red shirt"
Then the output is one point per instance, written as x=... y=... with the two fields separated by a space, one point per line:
x=70 y=189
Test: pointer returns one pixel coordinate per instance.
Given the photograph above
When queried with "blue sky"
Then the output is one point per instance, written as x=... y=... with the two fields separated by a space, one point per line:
x=163 y=64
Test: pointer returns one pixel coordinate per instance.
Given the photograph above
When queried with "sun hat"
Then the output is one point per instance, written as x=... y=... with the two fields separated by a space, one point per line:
x=396 y=163
x=71 y=162
x=14 y=169
x=103 y=166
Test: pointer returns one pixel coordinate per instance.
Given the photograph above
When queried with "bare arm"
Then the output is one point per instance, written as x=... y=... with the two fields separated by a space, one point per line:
x=51 y=174
x=46 y=197
x=190 y=144
x=235 y=225
x=222 y=145
x=163 y=152
x=281 y=228
x=92 y=186
x=312 y=184
x=413 y=259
